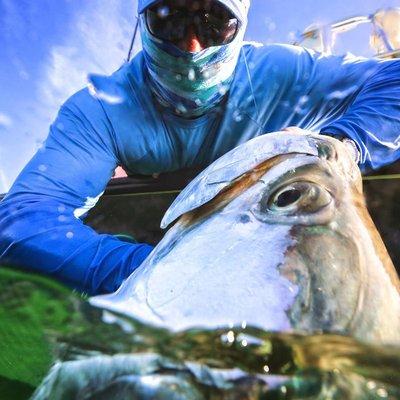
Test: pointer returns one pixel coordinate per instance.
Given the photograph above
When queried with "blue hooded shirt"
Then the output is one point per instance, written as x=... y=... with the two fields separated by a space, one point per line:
x=273 y=87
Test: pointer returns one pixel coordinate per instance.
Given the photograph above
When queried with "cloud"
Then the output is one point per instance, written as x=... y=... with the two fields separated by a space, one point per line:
x=97 y=42
x=95 y=39
x=5 y=121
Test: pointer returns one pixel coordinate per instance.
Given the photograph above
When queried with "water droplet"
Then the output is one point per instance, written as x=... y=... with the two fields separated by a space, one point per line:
x=299 y=110
x=266 y=368
x=69 y=235
x=61 y=208
x=62 y=218
x=237 y=116
x=244 y=343
x=371 y=385
x=191 y=74
x=42 y=168
x=230 y=336
x=244 y=324
x=178 y=77
x=381 y=392
x=181 y=109
x=303 y=100
x=222 y=90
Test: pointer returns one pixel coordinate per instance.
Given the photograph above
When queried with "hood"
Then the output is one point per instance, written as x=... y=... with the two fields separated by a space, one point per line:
x=238 y=7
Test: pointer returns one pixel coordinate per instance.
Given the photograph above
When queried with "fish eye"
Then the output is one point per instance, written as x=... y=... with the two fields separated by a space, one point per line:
x=295 y=199
x=287 y=197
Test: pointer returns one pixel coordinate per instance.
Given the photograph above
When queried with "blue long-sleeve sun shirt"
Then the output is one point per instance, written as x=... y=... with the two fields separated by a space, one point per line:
x=274 y=87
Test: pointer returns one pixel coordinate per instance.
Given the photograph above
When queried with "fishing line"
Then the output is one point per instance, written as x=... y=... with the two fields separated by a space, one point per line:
x=142 y=194
x=251 y=87
x=133 y=40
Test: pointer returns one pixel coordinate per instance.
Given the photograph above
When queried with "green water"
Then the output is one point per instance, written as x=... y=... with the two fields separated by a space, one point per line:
x=48 y=332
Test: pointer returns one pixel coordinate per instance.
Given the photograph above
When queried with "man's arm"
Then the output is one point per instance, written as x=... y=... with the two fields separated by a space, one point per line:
x=372 y=120
x=365 y=96
x=40 y=227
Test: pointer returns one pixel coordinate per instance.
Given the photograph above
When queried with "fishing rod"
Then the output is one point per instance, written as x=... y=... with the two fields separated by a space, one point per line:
x=128 y=58
x=384 y=38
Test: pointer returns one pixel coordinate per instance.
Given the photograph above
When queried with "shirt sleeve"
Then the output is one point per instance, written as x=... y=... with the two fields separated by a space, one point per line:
x=360 y=99
x=40 y=225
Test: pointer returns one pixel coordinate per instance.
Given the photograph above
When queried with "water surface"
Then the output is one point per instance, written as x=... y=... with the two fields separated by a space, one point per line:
x=52 y=339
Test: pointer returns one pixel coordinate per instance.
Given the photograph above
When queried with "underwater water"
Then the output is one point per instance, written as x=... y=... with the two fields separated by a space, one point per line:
x=54 y=345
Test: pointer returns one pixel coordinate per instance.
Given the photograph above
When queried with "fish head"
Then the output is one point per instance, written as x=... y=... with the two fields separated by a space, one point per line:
x=275 y=235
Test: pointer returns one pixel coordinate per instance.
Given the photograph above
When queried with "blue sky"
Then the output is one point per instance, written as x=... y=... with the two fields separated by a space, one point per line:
x=47 y=48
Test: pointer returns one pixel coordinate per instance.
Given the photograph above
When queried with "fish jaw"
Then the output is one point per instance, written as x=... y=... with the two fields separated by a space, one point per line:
x=325 y=265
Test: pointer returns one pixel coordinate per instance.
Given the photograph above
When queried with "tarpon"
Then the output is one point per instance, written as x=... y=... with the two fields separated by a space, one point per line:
x=274 y=234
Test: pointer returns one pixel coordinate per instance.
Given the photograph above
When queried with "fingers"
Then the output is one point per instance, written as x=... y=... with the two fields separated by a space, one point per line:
x=296 y=129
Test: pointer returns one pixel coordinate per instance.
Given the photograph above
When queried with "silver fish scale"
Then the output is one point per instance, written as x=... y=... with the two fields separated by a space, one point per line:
x=235 y=163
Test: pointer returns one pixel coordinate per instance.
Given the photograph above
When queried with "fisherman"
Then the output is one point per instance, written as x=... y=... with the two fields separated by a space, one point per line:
x=194 y=92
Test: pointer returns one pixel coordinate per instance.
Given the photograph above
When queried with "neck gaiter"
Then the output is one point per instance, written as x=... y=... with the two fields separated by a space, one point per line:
x=189 y=83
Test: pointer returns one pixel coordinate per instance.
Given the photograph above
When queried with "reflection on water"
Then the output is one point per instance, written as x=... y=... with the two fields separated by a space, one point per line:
x=53 y=340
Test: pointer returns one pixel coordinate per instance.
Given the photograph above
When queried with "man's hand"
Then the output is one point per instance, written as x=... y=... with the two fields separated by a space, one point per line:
x=349 y=144
x=296 y=129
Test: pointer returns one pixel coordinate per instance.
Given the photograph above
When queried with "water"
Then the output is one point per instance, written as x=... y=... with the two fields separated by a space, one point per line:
x=47 y=332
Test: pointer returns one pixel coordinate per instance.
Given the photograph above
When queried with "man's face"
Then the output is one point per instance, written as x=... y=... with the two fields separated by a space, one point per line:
x=192 y=25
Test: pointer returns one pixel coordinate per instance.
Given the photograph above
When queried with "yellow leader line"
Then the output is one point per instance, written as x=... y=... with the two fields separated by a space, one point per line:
x=381 y=177
x=364 y=178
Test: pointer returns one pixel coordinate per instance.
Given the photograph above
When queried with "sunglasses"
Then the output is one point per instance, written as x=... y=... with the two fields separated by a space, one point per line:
x=213 y=24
